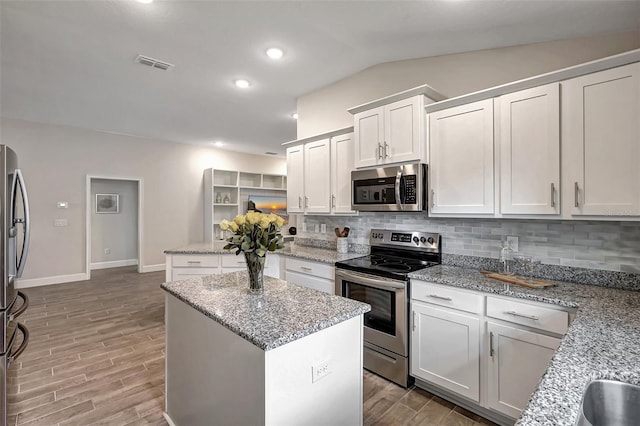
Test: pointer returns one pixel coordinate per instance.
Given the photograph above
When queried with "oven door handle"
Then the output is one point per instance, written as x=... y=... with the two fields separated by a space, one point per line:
x=372 y=282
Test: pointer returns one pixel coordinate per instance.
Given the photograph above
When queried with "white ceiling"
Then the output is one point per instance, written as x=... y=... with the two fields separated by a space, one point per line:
x=72 y=62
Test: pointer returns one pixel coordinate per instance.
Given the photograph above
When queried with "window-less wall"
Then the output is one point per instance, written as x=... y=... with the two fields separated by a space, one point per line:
x=114 y=236
x=325 y=109
x=56 y=160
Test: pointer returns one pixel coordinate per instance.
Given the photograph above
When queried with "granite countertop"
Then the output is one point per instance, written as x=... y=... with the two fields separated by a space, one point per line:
x=284 y=313
x=603 y=341
x=290 y=249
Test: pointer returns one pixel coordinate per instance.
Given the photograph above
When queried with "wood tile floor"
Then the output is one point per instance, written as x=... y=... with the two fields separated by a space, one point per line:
x=96 y=356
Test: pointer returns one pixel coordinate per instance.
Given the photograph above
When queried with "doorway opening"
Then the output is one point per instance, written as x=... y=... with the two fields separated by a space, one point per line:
x=114 y=222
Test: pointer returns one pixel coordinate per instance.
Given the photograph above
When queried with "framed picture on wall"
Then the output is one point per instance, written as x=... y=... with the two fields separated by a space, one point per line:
x=107 y=203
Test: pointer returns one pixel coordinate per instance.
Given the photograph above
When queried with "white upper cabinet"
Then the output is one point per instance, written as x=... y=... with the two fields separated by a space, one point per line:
x=341 y=167
x=295 y=179
x=601 y=143
x=461 y=159
x=317 y=176
x=529 y=143
x=390 y=133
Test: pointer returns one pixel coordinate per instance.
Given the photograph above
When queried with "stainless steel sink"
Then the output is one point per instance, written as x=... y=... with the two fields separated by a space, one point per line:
x=607 y=402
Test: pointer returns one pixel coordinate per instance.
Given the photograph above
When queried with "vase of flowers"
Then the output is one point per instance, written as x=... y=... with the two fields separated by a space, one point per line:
x=255 y=234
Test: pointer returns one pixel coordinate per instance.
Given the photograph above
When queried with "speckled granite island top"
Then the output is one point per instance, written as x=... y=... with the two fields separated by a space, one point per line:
x=603 y=341
x=290 y=250
x=283 y=314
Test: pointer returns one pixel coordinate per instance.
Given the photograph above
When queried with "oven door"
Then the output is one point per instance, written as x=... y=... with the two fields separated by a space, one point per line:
x=386 y=324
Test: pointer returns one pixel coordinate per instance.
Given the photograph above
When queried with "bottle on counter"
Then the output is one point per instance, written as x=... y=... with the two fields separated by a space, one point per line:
x=506 y=259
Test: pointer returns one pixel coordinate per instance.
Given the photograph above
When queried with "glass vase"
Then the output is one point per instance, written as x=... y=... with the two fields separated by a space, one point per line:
x=255 y=268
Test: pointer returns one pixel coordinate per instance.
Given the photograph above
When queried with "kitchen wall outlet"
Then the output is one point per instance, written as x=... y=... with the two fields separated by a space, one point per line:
x=107 y=251
x=316 y=227
x=304 y=227
x=319 y=371
x=62 y=205
x=512 y=242
x=323 y=228
x=60 y=222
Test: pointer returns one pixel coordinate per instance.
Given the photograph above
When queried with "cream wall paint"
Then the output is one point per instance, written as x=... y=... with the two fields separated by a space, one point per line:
x=453 y=75
x=56 y=161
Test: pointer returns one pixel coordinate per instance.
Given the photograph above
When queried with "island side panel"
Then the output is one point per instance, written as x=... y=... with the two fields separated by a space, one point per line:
x=213 y=376
x=293 y=398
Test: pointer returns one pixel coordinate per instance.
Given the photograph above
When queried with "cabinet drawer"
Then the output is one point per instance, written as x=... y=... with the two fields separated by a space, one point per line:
x=308 y=281
x=196 y=261
x=446 y=296
x=233 y=261
x=186 y=273
x=320 y=270
x=543 y=318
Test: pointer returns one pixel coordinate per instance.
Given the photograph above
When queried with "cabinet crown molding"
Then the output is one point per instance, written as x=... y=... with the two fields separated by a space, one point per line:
x=425 y=89
x=313 y=138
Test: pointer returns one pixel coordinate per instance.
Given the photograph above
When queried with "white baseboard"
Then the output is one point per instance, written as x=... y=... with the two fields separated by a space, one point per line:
x=153 y=268
x=57 y=279
x=168 y=419
x=114 y=264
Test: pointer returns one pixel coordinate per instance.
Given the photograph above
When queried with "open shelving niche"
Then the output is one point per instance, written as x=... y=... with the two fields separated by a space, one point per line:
x=237 y=187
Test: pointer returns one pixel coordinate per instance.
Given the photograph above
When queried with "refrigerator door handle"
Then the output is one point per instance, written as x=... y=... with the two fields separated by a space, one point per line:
x=25 y=304
x=26 y=221
x=25 y=341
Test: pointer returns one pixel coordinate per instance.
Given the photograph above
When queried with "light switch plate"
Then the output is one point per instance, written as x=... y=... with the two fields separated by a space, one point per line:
x=512 y=242
x=62 y=205
x=60 y=222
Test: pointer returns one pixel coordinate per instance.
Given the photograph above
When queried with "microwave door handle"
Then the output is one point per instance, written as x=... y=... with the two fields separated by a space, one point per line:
x=397 y=187
x=26 y=221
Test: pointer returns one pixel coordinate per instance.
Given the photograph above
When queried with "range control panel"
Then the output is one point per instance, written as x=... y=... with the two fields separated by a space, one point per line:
x=417 y=240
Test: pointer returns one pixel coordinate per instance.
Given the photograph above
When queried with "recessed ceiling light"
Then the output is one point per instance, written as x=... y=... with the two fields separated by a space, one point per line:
x=145 y=1
x=275 y=53
x=241 y=83
x=294 y=115
x=218 y=143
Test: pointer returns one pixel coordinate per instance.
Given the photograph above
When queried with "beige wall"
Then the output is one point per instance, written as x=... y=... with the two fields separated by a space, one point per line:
x=453 y=75
x=56 y=160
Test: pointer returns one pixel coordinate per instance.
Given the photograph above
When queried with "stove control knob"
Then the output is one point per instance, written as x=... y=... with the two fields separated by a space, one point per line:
x=423 y=240
x=430 y=240
x=416 y=240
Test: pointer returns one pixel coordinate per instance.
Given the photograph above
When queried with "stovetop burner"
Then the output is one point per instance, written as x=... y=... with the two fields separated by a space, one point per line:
x=394 y=254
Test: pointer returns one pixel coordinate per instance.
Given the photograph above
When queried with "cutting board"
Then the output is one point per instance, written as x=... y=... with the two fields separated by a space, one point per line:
x=517 y=280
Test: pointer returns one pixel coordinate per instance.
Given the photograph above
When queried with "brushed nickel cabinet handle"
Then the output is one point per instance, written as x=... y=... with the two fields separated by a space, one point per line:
x=379 y=151
x=304 y=268
x=433 y=198
x=306 y=201
x=299 y=202
x=333 y=201
x=515 y=314
x=491 y=344
x=435 y=296
x=413 y=320
x=197 y=262
x=386 y=148
x=576 y=194
x=553 y=194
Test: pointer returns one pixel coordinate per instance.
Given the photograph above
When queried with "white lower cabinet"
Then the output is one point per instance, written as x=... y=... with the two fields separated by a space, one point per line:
x=491 y=350
x=307 y=273
x=445 y=348
x=517 y=360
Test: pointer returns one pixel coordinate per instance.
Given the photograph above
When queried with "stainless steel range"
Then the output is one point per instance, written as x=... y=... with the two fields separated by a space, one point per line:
x=381 y=280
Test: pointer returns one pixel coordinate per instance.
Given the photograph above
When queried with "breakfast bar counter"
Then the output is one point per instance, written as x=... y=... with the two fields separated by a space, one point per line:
x=292 y=355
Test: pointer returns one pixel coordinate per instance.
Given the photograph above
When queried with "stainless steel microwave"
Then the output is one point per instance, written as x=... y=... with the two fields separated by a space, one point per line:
x=395 y=188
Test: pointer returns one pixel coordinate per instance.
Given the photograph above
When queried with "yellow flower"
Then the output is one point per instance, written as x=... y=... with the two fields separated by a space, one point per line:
x=253 y=217
x=265 y=222
x=239 y=219
x=224 y=225
x=233 y=226
x=279 y=221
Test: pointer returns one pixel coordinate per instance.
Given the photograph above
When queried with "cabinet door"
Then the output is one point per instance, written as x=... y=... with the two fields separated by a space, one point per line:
x=295 y=179
x=445 y=349
x=369 y=136
x=517 y=360
x=461 y=159
x=317 y=176
x=601 y=131
x=530 y=151
x=341 y=167
x=320 y=284
x=403 y=130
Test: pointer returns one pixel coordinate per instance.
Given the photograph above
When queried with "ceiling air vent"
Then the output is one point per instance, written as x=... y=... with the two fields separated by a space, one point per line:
x=271 y=153
x=155 y=63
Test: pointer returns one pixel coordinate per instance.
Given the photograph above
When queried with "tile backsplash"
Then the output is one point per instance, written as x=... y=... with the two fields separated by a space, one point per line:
x=612 y=246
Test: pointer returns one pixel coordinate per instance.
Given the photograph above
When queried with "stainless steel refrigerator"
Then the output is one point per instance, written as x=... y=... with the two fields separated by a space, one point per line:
x=14 y=232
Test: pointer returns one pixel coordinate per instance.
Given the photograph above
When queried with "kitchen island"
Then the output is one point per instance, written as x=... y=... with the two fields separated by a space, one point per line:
x=290 y=356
